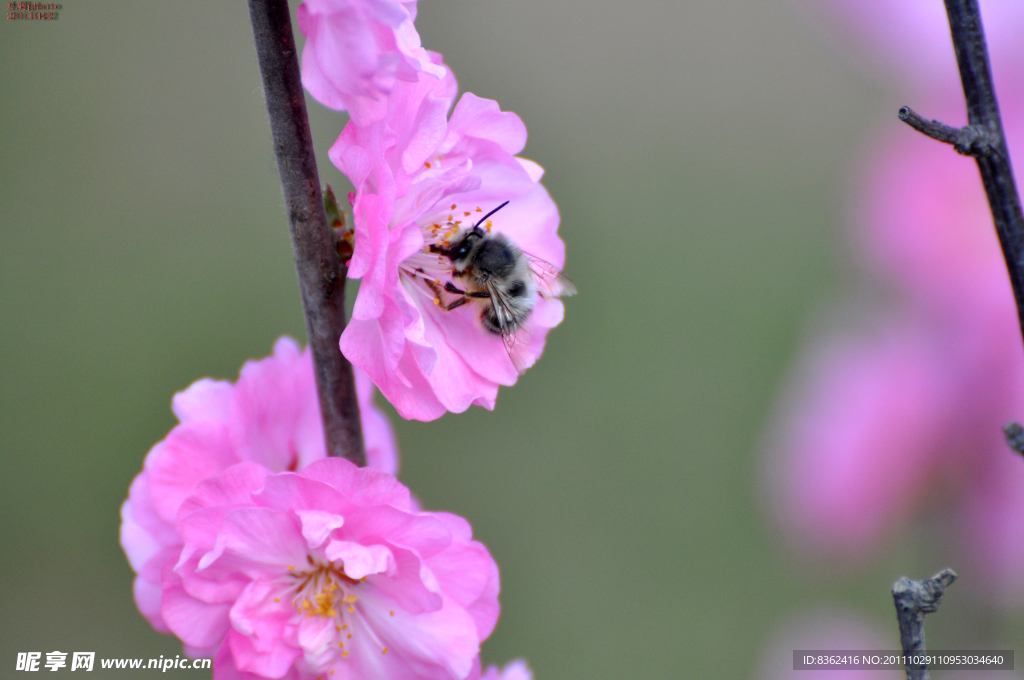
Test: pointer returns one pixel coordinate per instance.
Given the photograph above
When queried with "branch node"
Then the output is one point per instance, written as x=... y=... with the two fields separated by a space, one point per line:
x=922 y=596
x=1014 y=436
x=977 y=141
x=970 y=140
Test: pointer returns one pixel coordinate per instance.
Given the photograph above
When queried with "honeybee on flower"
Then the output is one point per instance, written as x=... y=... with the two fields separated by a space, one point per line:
x=499 y=276
x=423 y=182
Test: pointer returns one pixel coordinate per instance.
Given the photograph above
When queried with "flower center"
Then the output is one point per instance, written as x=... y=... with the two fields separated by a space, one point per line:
x=430 y=266
x=325 y=590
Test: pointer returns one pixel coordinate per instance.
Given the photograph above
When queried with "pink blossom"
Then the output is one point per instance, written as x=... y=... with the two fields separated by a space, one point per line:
x=330 y=569
x=357 y=50
x=858 y=442
x=881 y=425
x=921 y=220
x=420 y=177
x=887 y=423
x=271 y=416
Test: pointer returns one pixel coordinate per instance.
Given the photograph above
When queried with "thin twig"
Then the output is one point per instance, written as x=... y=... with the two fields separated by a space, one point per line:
x=982 y=138
x=321 y=273
x=913 y=600
x=970 y=140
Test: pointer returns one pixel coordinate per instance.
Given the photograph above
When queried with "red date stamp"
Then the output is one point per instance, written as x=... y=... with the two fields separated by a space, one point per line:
x=33 y=11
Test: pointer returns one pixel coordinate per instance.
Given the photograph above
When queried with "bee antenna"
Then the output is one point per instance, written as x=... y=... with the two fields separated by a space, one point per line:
x=481 y=221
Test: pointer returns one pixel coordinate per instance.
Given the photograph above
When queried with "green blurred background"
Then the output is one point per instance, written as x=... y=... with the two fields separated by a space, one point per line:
x=699 y=152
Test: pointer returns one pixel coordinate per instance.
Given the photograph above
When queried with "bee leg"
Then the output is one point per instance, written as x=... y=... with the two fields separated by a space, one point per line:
x=450 y=287
x=434 y=248
x=458 y=303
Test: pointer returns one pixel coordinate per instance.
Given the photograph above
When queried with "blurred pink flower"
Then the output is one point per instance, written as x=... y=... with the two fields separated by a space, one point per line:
x=859 y=438
x=884 y=420
x=271 y=416
x=921 y=220
x=299 y=575
x=356 y=50
x=419 y=179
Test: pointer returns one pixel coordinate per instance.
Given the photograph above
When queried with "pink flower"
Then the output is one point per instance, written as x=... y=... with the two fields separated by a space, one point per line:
x=859 y=439
x=330 y=569
x=421 y=179
x=891 y=422
x=922 y=222
x=271 y=416
x=356 y=50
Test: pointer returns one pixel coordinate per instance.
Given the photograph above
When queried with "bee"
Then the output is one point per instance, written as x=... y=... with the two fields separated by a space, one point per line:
x=502 y=279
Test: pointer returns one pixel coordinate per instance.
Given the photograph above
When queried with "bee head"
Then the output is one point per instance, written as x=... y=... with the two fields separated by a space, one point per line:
x=463 y=246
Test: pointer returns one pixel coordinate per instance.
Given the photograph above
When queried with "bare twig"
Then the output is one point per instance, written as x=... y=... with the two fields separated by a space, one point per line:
x=913 y=600
x=982 y=138
x=321 y=273
x=970 y=140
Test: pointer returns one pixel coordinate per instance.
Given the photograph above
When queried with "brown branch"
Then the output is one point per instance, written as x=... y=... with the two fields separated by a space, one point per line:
x=321 y=272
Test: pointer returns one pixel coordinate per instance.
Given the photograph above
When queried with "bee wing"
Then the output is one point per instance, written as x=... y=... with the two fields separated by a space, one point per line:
x=503 y=310
x=551 y=282
x=516 y=344
x=516 y=339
